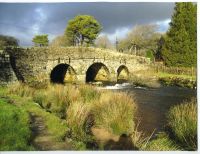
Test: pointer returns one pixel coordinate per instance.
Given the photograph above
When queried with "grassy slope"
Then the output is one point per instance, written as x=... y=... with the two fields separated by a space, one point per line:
x=55 y=126
x=14 y=128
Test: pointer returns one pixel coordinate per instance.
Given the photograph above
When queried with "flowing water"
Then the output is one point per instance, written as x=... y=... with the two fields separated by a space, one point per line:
x=153 y=104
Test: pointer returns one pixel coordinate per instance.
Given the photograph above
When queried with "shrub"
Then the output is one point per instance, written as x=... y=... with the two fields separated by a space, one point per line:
x=182 y=120
x=14 y=128
x=115 y=112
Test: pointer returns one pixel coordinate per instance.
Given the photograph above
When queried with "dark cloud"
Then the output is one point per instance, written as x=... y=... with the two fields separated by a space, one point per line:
x=24 y=19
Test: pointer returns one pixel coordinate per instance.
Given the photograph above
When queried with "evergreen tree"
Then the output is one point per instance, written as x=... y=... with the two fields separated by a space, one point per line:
x=82 y=29
x=180 y=47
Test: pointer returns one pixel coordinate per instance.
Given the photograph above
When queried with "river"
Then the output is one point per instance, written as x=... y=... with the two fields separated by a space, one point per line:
x=154 y=103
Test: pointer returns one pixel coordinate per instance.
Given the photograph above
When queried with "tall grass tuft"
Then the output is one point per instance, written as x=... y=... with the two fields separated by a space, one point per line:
x=182 y=120
x=21 y=90
x=115 y=112
x=89 y=93
x=77 y=114
x=162 y=143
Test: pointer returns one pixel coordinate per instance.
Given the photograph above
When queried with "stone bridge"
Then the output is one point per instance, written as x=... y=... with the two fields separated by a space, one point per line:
x=70 y=64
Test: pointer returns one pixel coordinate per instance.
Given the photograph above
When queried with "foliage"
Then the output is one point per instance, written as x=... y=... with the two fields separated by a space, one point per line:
x=8 y=41
x=83 y=29
x=103 y=42
x=61 y=41
x=180 y=47
x=14 y=128
x=143 y=36
x=182 y=120
x=41 y=40
x=149 y=54
x=158 y=54
x=178 y=81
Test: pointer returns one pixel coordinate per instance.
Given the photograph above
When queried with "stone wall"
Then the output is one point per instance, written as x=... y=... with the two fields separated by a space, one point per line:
x=7 y=74
x=37 y=63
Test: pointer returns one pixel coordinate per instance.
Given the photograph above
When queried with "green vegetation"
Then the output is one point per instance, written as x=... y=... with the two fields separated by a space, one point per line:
x=162 y=142
x=180 y=47
x=14 y=128
x=7 y=41
x=183 y=124
x=109 y=113
x=86 y=115
x=82 y=29
x=145 y=37
x=149 y=54
x=41 y=40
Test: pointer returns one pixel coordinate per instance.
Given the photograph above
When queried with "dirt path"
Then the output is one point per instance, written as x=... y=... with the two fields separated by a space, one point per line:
x=42 y=140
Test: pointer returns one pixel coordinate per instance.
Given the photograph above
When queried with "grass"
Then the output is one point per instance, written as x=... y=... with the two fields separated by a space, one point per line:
x=114 y=112
x=82 y=107
x=14 y=128
x=54 y=124
x=182 y=120
x=162 y=143
x=85 y=107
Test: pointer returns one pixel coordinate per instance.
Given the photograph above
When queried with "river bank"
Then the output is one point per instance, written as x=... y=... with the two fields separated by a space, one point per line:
x=87 y=111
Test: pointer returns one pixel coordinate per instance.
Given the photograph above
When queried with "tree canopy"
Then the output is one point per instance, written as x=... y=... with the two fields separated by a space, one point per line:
x=180 y=47
x=61 y=41
x=143 y=36
x=103 y=42
x=83 y=29
x=41 y=40
x=8 y=41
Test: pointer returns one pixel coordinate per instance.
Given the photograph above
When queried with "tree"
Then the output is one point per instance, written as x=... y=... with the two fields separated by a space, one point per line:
x=8 y=41
x=82 y=29
x=143 y=37
x=61 y=41
x=180 y=47
x=158 y=55
x=103 y=42
x=41 y=40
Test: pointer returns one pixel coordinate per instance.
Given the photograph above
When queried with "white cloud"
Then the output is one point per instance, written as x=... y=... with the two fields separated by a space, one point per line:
x=163 y=25
x=119 y=33
x=41 y=20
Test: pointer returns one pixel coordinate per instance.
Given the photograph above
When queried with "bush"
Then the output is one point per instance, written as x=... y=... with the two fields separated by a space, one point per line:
x=115 y=112
x=182 y=120
x=14 y=128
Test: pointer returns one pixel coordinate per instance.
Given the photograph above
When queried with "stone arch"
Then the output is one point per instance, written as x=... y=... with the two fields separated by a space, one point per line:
x=122 y=73
x=63 y=73
x=97 y=72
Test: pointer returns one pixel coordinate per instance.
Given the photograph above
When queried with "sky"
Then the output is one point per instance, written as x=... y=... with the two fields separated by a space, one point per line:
x=25 y=20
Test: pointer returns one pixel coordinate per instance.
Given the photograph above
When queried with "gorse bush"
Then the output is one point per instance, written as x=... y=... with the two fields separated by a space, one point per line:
x=14 y=128
x=182 y=120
